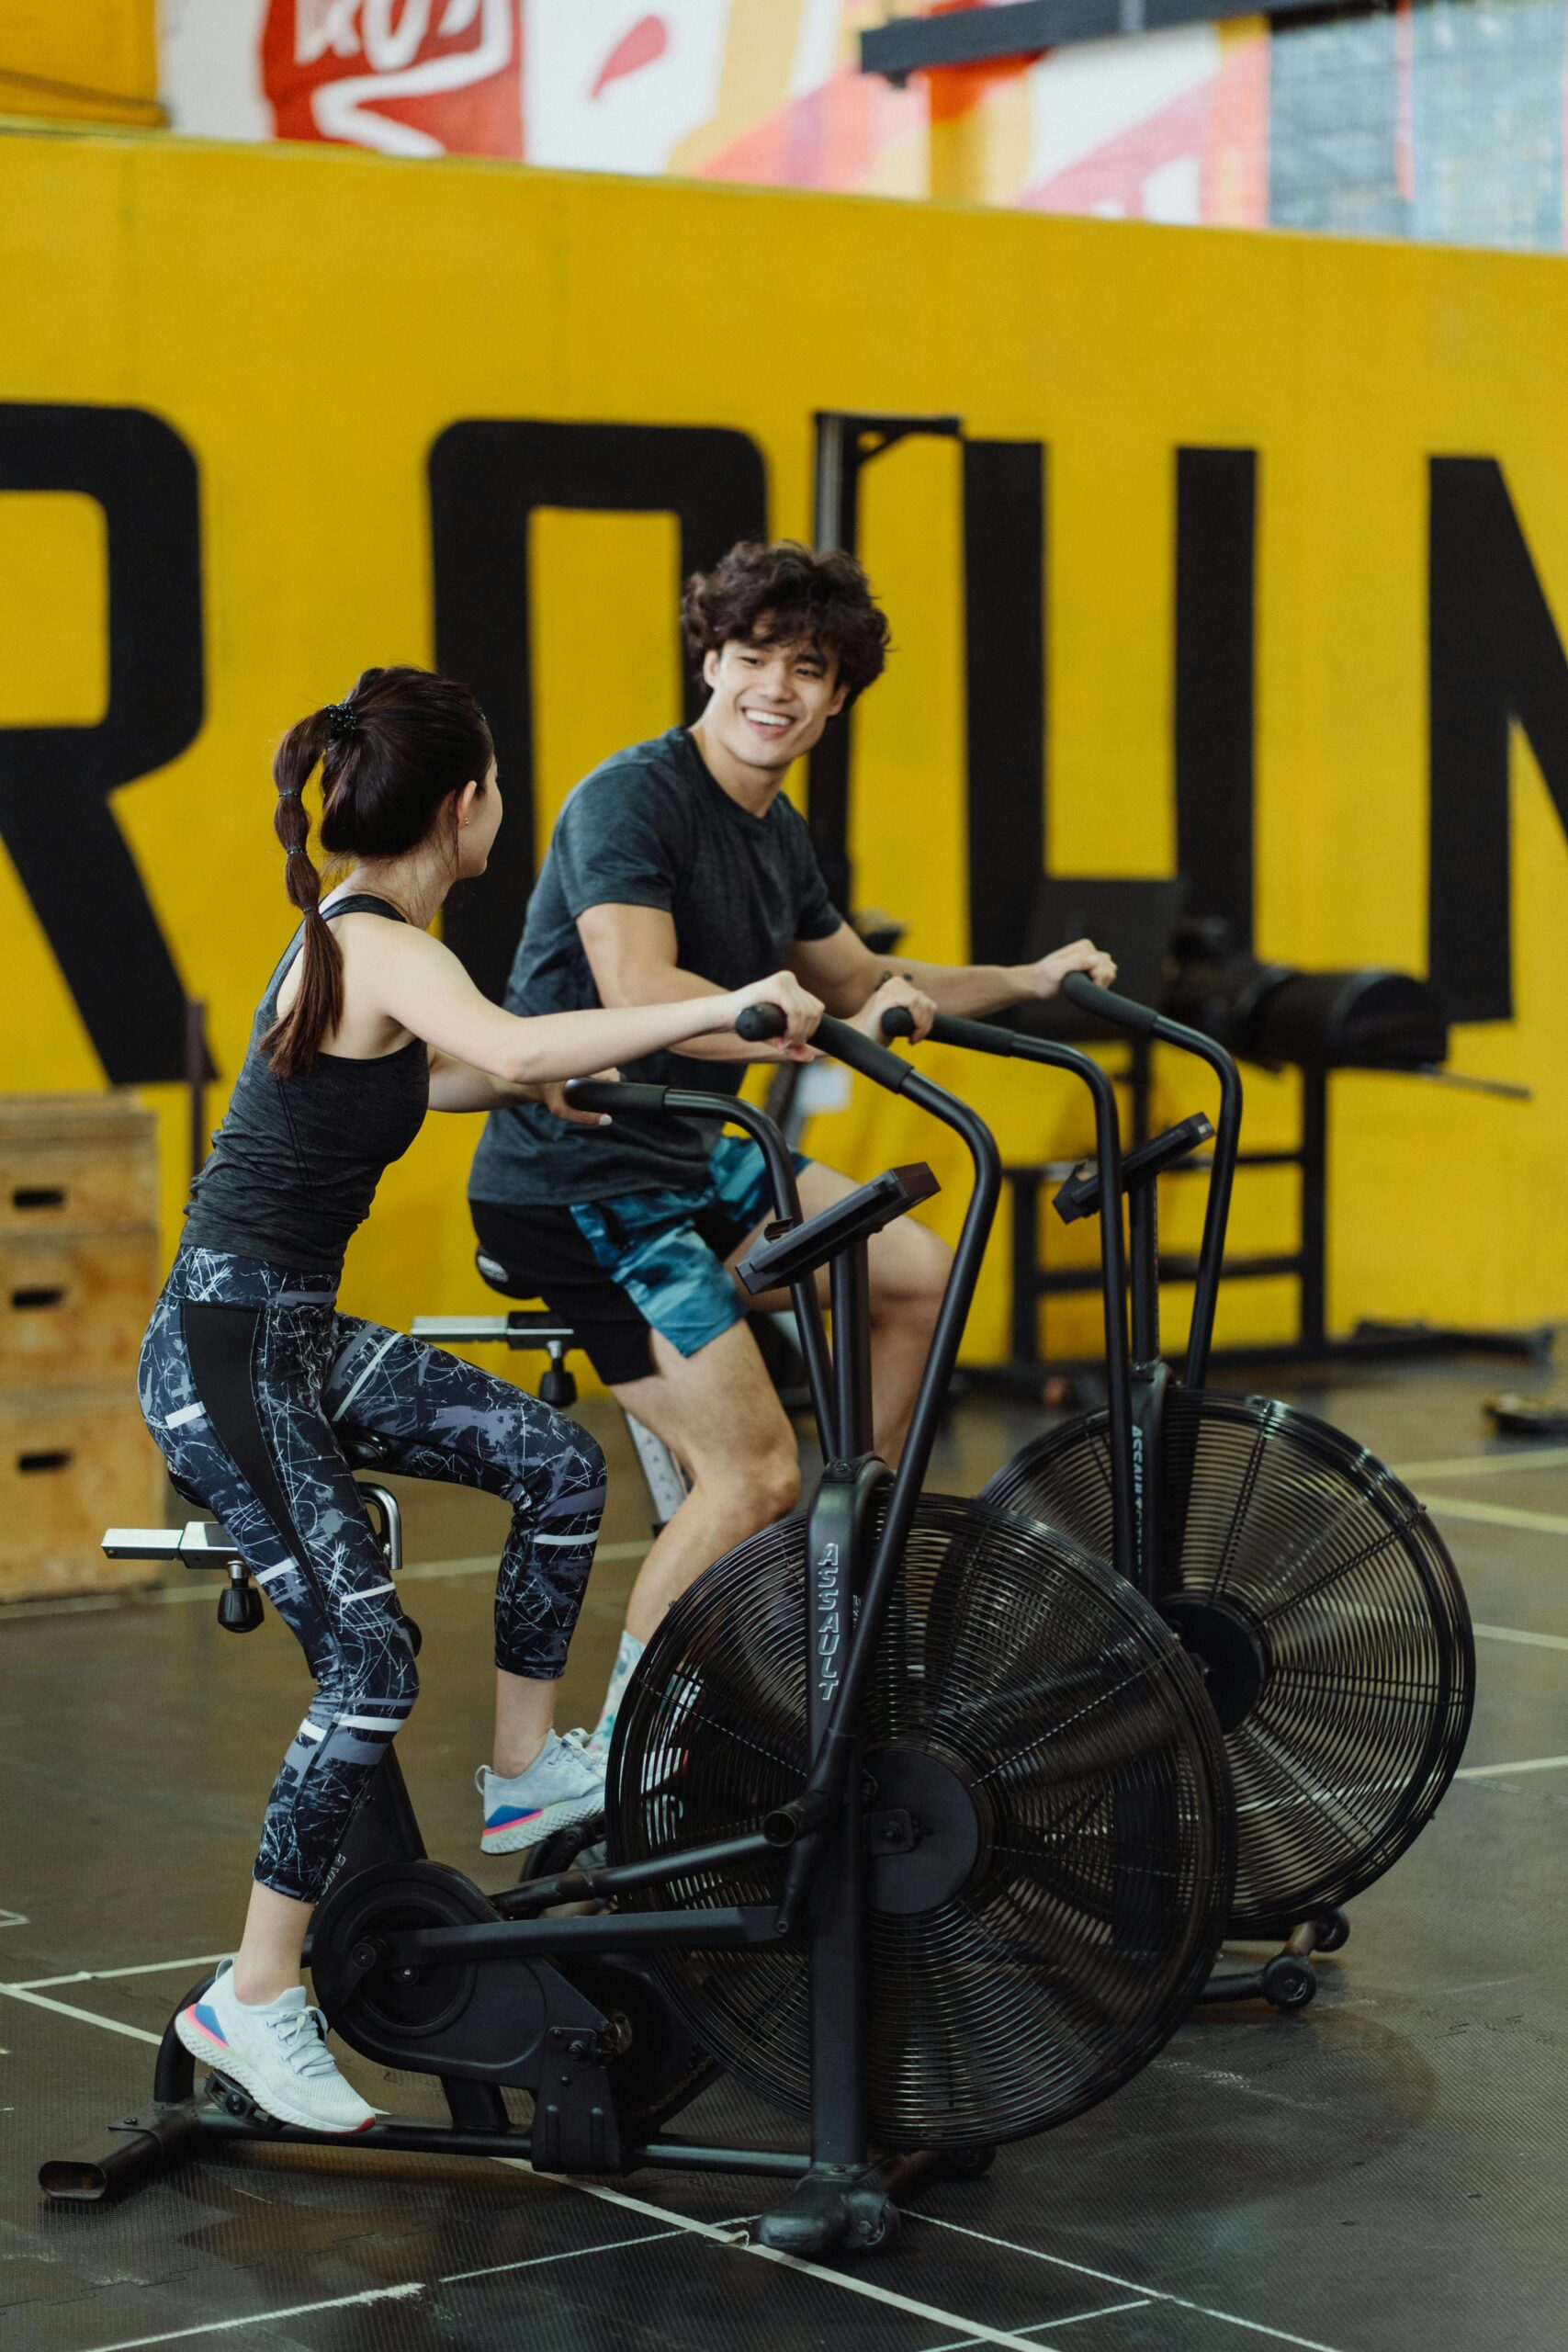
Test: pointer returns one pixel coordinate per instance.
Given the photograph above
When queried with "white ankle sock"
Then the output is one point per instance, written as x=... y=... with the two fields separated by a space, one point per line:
x=626 y=1657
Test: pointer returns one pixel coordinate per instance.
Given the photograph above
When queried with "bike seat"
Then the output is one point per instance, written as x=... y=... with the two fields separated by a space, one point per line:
x=798 y=1249
x=502 y=1278
x=188 y=1494
x=364 y=1449
x=526 y=1327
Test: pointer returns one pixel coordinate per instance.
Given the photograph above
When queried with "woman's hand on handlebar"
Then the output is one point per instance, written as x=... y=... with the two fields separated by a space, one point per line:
x=552 y=1092
x=801 y=1011
x=895 y=990
x=1081 y=955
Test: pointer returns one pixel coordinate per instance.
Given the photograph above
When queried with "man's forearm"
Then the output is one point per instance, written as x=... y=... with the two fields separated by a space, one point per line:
x=970 y=990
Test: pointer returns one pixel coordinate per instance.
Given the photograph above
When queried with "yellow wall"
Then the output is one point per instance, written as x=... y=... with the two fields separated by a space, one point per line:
x=92 y=61
x=311 y=321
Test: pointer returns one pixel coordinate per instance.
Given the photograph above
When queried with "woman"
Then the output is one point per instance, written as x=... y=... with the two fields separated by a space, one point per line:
x=250 y=1378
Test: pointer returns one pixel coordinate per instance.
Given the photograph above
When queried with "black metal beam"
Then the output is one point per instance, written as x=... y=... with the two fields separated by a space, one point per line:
x=1024 y=28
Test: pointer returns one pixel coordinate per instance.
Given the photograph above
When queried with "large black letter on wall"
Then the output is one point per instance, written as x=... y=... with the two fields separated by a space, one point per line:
x=486 y=478
x=1216 y=529
x=1004 y=613
x=1495 y=657
x=55 y=781
x=1004 y=651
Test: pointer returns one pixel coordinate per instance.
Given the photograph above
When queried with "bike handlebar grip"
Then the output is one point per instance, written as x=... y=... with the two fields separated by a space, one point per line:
x=613 y=1094
x=950 y=1029
x=872 y=1061
x=1122 y=1012
x=758 y=1021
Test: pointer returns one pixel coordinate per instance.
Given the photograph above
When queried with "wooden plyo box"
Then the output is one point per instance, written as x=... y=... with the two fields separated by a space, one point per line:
x=79 y=1271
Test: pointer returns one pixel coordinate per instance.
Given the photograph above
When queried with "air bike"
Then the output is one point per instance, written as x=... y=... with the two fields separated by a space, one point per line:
x=917 y=1823
x=1307 y=1583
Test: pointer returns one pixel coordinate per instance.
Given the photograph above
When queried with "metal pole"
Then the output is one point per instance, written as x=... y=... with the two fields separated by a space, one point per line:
x=851 y=1291
x=1314 y=1205
x=196 y=1079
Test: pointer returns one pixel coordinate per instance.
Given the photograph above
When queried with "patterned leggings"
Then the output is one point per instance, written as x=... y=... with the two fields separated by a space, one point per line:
x=248 y=1378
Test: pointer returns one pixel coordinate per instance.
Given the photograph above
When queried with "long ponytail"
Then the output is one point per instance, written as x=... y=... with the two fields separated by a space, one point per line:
x=400 y=745
x=294 y=1040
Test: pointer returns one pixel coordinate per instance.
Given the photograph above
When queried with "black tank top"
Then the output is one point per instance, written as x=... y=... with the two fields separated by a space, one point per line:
x=296 y=1160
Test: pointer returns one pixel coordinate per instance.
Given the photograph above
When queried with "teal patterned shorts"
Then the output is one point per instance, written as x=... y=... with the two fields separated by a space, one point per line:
x=666 y=1250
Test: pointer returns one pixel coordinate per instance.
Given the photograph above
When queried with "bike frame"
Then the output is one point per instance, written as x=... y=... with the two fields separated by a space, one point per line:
x=1137 y=1381
x=851 y=1572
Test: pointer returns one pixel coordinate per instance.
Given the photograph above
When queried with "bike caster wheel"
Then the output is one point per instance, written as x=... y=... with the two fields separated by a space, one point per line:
x=968 y=2164
x=1333 y=1931
x=1289 y=1982
x=873 y=2232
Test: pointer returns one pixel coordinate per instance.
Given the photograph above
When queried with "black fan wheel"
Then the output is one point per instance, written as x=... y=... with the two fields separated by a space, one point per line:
x=1328 y=1616
x=1046 y=1802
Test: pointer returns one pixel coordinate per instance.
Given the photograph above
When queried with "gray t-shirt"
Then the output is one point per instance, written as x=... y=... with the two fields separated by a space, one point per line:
x=651 y=828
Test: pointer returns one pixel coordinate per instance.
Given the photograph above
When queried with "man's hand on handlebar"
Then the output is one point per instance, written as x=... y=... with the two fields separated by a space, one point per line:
x=895 y=990
x=1046 y=977
x=800 y=1008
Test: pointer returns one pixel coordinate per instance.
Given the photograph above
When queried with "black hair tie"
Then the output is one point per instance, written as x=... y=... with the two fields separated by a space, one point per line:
x=343 y=721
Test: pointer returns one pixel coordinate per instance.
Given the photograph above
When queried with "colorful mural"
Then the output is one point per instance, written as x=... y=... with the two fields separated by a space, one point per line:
x=1173 y=127
x=1432 y=119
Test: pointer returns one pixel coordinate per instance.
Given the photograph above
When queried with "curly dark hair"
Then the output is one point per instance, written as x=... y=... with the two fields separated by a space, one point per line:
x=784 y=594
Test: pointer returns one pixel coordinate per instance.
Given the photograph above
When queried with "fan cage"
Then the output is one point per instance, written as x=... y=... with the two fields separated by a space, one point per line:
x=1368 y=1658
x=1089 y=1922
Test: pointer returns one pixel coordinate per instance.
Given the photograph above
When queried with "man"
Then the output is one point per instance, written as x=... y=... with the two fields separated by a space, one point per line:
x=677 y=869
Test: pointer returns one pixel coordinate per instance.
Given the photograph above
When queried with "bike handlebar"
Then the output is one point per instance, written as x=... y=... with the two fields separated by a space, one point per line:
x=859 y=1052
x=1143 y=1021
x=1122 y=1012
x=984 y=1037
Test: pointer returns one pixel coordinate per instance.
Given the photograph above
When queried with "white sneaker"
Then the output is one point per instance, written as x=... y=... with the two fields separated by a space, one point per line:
x=564 y=1783
x=278 y=2053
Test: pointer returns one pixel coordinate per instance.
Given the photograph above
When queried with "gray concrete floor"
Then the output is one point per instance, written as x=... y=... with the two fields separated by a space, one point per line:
x=1385 y=2170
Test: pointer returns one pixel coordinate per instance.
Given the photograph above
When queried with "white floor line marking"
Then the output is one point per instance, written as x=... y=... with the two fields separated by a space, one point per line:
x=1517 y=1634
x=1541 y=1522
x=1503 y=1771
x=1109 y=2278
x=261 y=2319
x=175 y=1596
x=88 y=2017
x=972 y=2331
x=1486 y=1465
x=143 y=1595
x=567 y=2254
x=1044 y=2327
x=429 y=1571
x=102 y=1976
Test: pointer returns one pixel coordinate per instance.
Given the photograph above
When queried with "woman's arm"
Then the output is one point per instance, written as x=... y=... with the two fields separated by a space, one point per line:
x=420 y=984
x=458 y=1086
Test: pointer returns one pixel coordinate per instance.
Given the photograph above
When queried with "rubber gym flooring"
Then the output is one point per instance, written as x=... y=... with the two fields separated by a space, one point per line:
x=1386 y=2170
